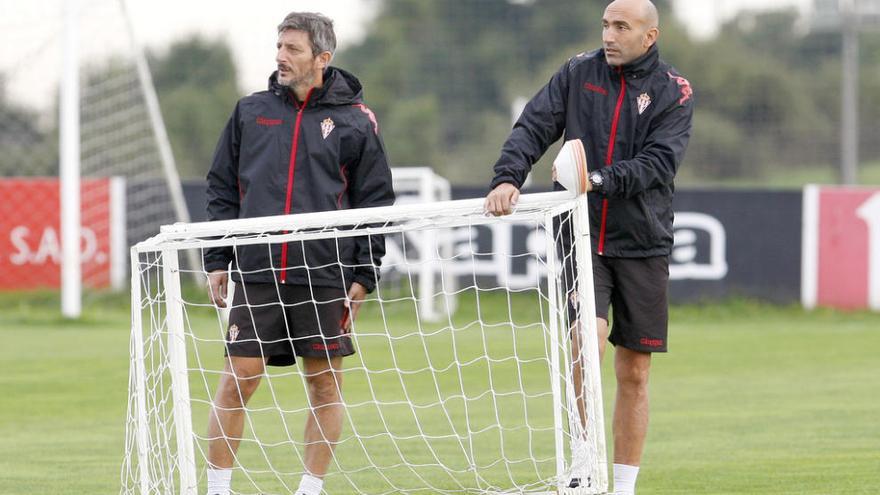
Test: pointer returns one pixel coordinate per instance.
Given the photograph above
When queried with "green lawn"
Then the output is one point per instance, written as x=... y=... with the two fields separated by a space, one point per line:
x=782 y=177
x=752 y=399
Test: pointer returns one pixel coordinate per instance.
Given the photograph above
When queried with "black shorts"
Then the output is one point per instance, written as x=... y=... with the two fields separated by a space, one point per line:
x=279 y=322
x=636 y=289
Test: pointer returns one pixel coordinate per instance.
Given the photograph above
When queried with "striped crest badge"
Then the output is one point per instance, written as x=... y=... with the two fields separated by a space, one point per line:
x=644 y=101
x=327 y=127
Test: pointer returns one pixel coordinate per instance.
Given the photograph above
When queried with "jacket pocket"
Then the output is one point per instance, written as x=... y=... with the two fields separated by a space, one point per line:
x=660 y=206
x=649 y=216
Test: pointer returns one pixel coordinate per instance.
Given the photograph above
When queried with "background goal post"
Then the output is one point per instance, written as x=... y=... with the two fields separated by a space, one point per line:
x=481 y=401
x=423 y=185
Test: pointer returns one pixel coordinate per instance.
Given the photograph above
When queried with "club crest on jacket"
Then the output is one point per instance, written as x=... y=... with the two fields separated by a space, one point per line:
x=327 y=127
x=644 y=101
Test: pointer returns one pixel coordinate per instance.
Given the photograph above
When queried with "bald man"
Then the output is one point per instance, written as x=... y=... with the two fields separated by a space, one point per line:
x=633 y=112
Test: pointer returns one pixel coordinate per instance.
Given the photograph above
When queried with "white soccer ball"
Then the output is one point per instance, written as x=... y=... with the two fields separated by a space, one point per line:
x=570 y=167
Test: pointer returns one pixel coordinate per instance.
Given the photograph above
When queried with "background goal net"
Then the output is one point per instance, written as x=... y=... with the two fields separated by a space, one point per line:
x=129 y=181
x=481 y=400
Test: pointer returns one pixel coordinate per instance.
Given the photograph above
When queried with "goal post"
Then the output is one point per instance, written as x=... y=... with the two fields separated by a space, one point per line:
x=423 y=185
x=480 y=401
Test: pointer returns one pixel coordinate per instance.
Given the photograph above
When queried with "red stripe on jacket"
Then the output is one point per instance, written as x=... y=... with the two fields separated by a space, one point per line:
x=609 y=157
x=291 y=170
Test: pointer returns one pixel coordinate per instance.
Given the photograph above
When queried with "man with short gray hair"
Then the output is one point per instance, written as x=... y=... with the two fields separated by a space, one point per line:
x=307 y=144
x=319 y=27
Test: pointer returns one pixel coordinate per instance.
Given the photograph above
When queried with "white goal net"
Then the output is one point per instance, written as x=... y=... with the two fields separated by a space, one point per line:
x=122 y=141
x=483 y=400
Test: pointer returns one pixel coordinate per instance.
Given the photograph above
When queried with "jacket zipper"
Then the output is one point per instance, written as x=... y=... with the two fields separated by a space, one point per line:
x=610 y=156
x=290 y=173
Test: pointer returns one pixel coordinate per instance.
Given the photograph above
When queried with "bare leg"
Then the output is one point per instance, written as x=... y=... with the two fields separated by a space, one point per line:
x=631 y=407
x=226 y=420
x=324 y=424
x=577 y=363
x=602 y=330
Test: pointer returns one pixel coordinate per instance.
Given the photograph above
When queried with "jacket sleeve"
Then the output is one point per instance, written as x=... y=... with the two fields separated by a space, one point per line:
x=657 y=163
x=224 y=199
x=370 y=186
x=540 y=125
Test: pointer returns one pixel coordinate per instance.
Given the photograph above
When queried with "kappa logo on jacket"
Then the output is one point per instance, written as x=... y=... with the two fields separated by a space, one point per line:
x=370 y=115
x=685 y=87
x=264 y=121
x=327 y=127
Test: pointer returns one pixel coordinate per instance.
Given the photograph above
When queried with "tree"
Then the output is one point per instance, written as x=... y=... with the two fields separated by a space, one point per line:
x=28 y=148
x=441 y=75
x=195 y=82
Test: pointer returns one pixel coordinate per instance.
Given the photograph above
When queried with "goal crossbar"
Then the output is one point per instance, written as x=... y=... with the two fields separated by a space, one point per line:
x=455 y=213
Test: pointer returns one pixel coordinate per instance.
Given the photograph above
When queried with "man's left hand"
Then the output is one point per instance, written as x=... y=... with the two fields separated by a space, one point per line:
x=356 y=295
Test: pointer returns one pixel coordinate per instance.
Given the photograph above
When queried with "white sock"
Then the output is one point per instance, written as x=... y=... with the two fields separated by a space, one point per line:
x=625 y=479
x=219 y=481
x=310 y=485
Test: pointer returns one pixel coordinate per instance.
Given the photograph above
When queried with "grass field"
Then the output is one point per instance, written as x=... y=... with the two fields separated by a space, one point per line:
x=781 y=177
x=752 y=399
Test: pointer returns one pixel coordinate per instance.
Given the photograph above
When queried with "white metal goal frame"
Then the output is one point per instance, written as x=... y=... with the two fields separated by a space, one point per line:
x=423 y=185
x=173 y=239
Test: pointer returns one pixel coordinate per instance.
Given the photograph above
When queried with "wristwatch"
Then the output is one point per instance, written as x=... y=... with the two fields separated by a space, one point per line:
x=597 y=181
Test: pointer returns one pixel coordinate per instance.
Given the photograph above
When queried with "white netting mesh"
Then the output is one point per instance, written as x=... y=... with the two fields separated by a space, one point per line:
x=117 y=136
x=480 y=401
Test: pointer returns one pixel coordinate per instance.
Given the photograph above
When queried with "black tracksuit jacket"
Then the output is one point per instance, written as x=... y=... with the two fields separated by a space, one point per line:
x=635 y=123
x=277 y=156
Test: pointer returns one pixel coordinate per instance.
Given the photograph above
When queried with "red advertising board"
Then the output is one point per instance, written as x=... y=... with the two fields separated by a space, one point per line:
x=30 y=234
x=841 y=247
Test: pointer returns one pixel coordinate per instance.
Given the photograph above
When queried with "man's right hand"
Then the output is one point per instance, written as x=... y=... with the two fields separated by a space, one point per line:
x=218 y=283
x=501 y=200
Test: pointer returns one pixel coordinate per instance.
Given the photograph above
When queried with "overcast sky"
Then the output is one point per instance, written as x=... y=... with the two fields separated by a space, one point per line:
x=251 y=30
x=30 y=32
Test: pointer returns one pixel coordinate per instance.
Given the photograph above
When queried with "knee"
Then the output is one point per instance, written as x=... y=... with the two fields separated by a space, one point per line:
x=323 y=388
x=632 y=375
x=235 y=391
